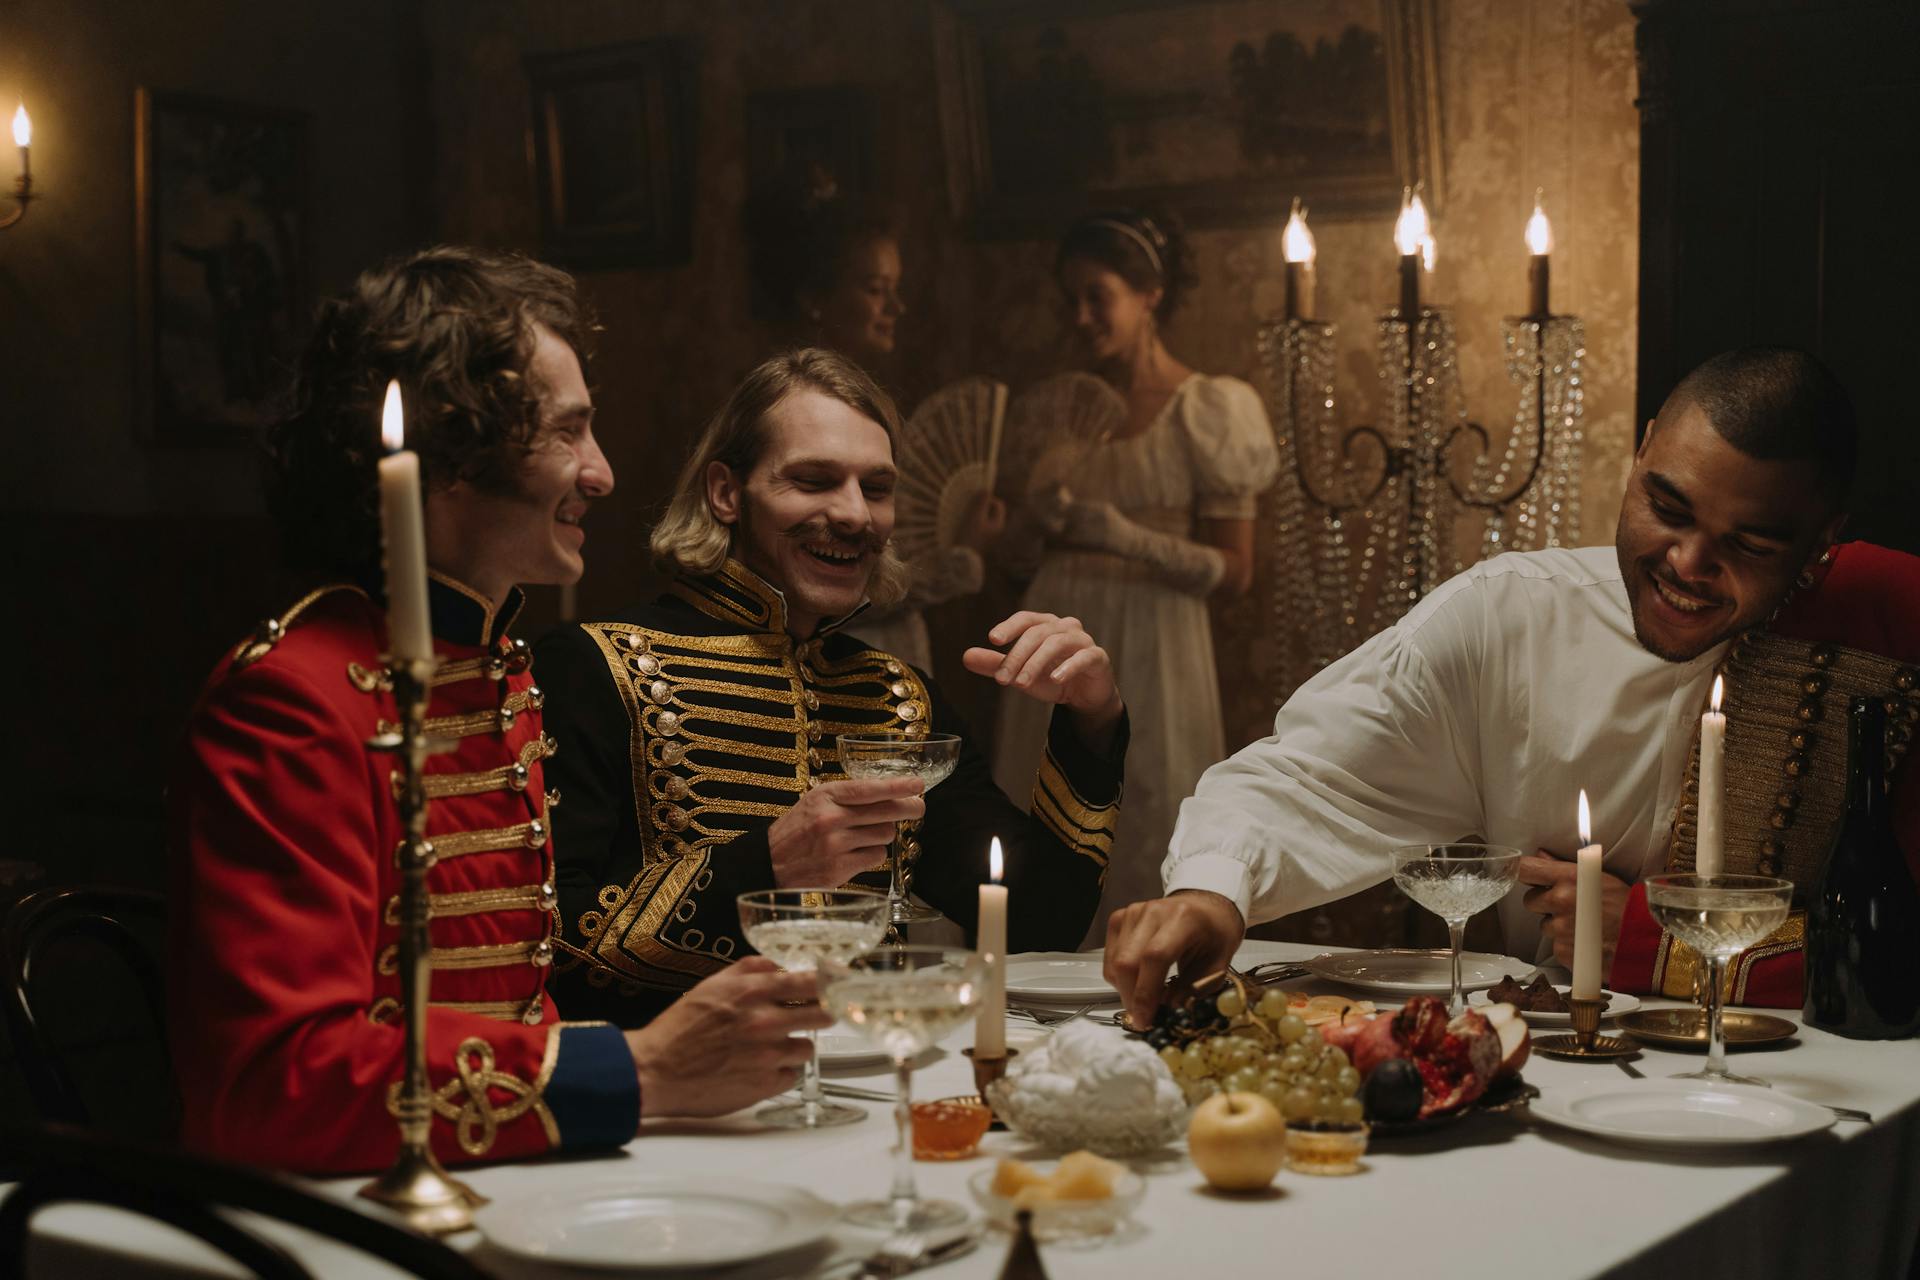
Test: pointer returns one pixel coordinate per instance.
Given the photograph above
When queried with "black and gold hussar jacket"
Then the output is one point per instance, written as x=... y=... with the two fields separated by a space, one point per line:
x=687 y=726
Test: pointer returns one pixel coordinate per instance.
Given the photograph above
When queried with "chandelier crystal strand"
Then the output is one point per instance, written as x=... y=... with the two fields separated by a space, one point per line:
x=1364 y=517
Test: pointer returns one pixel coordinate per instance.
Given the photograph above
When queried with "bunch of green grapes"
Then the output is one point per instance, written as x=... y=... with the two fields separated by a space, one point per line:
x=1271 y=1052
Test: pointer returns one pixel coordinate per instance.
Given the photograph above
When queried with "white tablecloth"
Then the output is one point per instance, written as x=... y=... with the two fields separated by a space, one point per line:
x=1490 y=1196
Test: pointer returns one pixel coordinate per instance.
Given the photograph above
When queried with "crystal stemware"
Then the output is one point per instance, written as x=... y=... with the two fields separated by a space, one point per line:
x=1454 y=881
x=905 y=999
x=930 y=758
x=1719 y=917
x=797 y=929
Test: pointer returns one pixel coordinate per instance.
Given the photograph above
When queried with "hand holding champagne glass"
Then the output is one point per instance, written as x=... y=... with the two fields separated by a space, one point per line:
x=929 y=757
x=798 y=929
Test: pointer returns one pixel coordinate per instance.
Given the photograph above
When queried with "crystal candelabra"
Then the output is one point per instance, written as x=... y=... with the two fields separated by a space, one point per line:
x=1366 y=519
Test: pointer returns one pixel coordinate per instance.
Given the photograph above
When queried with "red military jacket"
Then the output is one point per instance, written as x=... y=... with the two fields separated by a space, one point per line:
x=283 y=982
x=1868 y=599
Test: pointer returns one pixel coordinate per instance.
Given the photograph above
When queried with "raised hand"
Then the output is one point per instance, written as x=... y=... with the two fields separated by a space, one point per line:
x=1052 y=659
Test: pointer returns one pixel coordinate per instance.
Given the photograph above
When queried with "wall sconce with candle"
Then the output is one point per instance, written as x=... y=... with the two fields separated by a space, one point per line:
x=22 y=185
x=1367 y=524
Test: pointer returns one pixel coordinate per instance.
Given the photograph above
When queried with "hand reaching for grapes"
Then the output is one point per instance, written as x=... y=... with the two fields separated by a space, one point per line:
x=729 y=1042
x=839 y=829
x=1194 y=929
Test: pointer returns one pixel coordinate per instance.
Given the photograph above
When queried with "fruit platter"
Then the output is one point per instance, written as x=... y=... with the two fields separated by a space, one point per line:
x=1331 y=1060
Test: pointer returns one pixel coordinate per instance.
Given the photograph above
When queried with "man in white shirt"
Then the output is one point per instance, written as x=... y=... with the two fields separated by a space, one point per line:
x=1485 y=709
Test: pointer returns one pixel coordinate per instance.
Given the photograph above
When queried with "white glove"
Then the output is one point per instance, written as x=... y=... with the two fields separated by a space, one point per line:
x=1190 y=567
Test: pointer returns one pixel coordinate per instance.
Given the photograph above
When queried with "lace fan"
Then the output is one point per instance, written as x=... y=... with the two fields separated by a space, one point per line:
x=1054 y=425
x=948 y=456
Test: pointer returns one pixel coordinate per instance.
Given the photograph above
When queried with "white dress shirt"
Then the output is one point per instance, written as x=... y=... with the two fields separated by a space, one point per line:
x=1480 y=714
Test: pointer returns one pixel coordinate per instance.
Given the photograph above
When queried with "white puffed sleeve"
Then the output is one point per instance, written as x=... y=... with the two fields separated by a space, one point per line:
x=1231 y=444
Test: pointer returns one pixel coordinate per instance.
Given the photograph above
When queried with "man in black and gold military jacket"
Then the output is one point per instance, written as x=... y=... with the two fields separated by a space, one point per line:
x=699 y=733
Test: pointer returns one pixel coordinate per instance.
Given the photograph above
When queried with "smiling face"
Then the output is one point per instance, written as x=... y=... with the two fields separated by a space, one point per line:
x=1109 y=316
x=859 y=316
x=1711 y=539
x=528 y=531
x=814 y=514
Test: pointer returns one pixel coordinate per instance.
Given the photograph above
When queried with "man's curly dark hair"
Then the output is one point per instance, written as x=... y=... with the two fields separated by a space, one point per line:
x=455 y=326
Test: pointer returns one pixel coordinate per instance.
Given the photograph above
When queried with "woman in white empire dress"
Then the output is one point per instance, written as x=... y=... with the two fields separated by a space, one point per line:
x=1144 y=523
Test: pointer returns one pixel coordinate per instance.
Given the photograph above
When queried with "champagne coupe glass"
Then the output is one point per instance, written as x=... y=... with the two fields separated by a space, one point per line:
x=905 y=999
x=1454 y=881
x=1719 y=917
x=930 y=758
x=797 y=929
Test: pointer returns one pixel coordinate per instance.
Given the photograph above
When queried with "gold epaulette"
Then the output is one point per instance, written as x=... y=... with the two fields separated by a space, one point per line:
x=270 y=630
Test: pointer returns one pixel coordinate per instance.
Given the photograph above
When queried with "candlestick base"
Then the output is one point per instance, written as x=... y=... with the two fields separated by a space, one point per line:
x=985 y=1072
x=424 y=1194
x=1584 y=1016
x=1602 y=1048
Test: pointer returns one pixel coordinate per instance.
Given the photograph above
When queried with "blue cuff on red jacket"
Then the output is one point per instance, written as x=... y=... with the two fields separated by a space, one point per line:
x=593 y=1093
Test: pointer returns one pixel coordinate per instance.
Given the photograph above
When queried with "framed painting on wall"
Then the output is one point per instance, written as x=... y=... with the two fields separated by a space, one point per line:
x=612 y=148
x=1223 y=110
x=220 y=264
x=815 y=135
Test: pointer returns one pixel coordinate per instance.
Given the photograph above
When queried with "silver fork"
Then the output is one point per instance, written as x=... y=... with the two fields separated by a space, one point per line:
x=898 y=1254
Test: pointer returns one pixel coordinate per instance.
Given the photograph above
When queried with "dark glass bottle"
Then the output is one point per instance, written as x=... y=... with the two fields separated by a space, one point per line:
x=1863 y=917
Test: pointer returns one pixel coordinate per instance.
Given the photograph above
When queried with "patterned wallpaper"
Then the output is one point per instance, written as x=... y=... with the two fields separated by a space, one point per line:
x=1532 y=94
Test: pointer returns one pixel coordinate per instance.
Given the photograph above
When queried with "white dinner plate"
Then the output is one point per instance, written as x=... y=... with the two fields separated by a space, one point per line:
x=1410 y=972
x=656 y=1223
x=842 y=1046
x=1618 y=1002
x=1057 y=977
x=1681 y=1113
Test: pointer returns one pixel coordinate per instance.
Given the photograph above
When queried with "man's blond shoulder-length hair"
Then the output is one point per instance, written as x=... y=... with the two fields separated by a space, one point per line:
x=690 y=541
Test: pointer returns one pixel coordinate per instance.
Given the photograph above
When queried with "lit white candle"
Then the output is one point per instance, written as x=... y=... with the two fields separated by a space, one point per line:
x=1413 y=237
x=1586 y=910
x=990 y=1035
x=23 y=139
x=1709 y=845
x=1296 y=243
x=403 y=535
x=1539 y=263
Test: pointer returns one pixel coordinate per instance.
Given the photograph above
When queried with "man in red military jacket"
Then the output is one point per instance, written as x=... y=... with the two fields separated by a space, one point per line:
x=283 y=988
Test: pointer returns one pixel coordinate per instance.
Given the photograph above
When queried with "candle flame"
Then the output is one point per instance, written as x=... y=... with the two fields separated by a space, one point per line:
x=393 y=420
x=1718 y=685
x=1539 y=231
x=996 y=861
x=22 y=127
x=1297 y=242
x=1413 y=225
x=1586 y=819
x=1428 y=251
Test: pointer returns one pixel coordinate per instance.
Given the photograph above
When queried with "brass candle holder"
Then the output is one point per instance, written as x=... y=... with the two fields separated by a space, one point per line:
x=985 y=1072
x=1586 y=1040
x=416 y=1187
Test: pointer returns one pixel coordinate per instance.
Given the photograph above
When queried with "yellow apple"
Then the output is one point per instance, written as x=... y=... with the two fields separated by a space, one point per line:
x=1237 y=1140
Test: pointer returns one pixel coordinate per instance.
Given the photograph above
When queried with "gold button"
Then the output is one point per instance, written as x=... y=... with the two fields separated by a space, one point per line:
x=517 y=777
x=893 y=669
x=536 y=834
x=1904 y=681
x=533 y=1014
x=1814 y=685
x=910 y=711
x=553 y=800
x=659 y=691
x=1822 y=656
x=813 y=731
x=1799 y=740
x=812 y=700
x=519 y=657
x=1808 y=711
x=536 y=697
x=548 y=897
x=1786 y=800
x=648 y=665
x=542 y=954
x=1780 y=820
x=669 y=722
x=814 y=759
x=634 y=641
x=899 y=689
x=507 y=716
x=673 y=752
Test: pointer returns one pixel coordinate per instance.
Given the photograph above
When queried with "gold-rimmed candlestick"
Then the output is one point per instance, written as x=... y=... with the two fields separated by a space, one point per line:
x=1584 y=1016
x=415 y=1186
